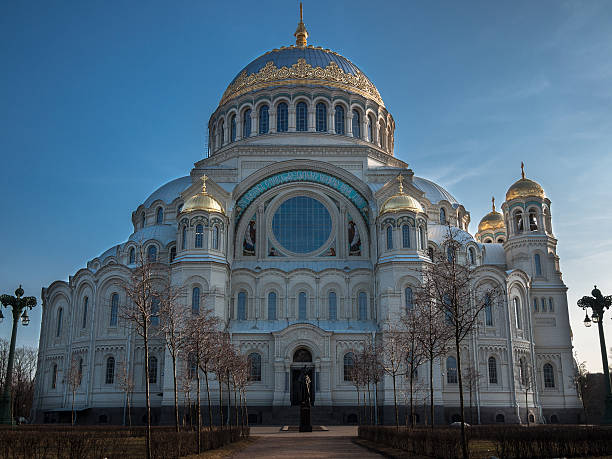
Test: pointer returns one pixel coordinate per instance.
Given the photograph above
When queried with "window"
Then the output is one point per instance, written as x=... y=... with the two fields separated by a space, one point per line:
x=192 y=364
x=448 y=308
x=282 y=117
x=242 y=299
x=184 y=238
x=152 y=369
x=152 y=254
x=233 y=128
x=272 y=306
x=389 y=232
x=214 y=137
x=518 y=221
x=472 y=255
x=549 y=376
x=221 y=133
x=264 y=120
x=551 y=306
x=172 y=253
x=195 y=300
x=408 y=299
x=451 y=370
x=430 y=253
x=339 y=120
x=54 y=376
x=142 y=220
x=246 y=124
x=302 y=306
x=538 y=264
x=159 y=216
x=406 y=236
x=333 y=306
x=370 y=123
x=85 y=306
x=381 y=137
x=492 y=370
x=199 y=236
x=517 y=312
x=488 y=308
x=523 y=371
x=80 y=373
x=114 y=309
x=132 y=256
x=362 y=300
x=500 y=418
x=535 y=305
x=356 y=123
x=422 y=238
x=215 y=237
x=58 y=329
x=450 y=254
x=110 y=371
x=321 y=117
x=442 y=216
x=349 y=365
x=155 y=311
x=254 y=366
x=301 y=117
x=533 y=221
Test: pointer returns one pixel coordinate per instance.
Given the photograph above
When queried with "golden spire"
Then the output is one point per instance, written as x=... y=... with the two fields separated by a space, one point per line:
x=204 y=178
x=493 y=203
x=400 y=179
x=522 y=169
x=301 y=34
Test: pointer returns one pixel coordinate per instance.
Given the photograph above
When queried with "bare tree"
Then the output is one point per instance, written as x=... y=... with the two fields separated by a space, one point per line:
x=125 y=379
x=580 y=379
x=412 y=326
x=394 y=355
x=472 y=379
x=74 y=376
x=528 y=382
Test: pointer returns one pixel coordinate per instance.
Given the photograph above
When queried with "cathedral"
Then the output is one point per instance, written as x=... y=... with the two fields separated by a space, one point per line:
x=306 y=236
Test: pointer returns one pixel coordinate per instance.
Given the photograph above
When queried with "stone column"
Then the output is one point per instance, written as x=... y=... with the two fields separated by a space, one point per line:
x=254 y=119
x=331 y=127
x=311 y=120
x=272 y=118
x=291 y=120
x=349 y=124
x=238 y=127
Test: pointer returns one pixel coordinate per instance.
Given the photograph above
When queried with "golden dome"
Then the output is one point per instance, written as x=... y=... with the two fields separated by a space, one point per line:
x=524 y=188
x=493 y=222
x=401 y=201
x=202 y=201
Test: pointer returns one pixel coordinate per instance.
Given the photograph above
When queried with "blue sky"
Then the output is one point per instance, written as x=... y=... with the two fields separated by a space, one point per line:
x=101 y=102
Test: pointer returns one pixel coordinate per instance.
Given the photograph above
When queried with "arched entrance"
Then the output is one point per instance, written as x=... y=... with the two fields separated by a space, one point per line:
x=302 y=370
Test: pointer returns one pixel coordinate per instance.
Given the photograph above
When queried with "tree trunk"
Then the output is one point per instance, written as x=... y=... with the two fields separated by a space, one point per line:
x=147 y=394
x=236 y=404
x=73 y=394
x=210 y=426
x=411 y=397
x=527 y=405
x=370 y=404
x=431 y=390
x=176 y=409
x=464 y=445
x=358 y=405
x=198 y=414
x=229 y=402
x=220 y=401
x=395 y=403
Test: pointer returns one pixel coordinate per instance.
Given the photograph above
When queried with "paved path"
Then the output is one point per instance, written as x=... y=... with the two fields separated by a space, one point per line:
x=273 y=444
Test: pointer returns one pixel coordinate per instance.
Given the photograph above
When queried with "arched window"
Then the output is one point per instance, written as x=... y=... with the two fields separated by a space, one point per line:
x=85 y=307
x=492 y=370
x=54 y=376
x=363 y=306
x=448 y=308
x=254 y=366
x=152 y=254
x=282 y=117
x=451 y=370
x=221 y=133
x=356 y=124
x=301 y=117
x=246 y=124
x=142 y=220
x=406 y=236
x=535 y=305
x=538 y=264
x=199 y=236
x=472 y=255
x=152 y=369
x=389 y=232
x=500 y=418
x=517 y=312
x=442 y=216
x=172 y=253
x=60 y=314
x=214 y=137
x=430 y=253
x=450 y=254
x=408 y=299
x=184 y=238
x=233 y=128
x=370 y=123
x=264 y=120
x=518 y=221
x=333 y=306
x=533 y=220
x=110 y=371
x=159 y=216
x=549 y=376
x=302 y=306
x=114 y=310
x=132 y=256
x=551 y=305
x=339 y=120
x=192 y=364
x=349 y=366
x=381 y=137
x=422 y=238
x=272 y=306
x=488 y=308
x=242 y=299
x=155 y=311
x=215 y=237
x=321 y=117
x=195 y=300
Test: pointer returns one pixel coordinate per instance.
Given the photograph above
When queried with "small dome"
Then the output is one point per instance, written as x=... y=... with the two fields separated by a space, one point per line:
x=401 y=202
x=492 y=222
x=202 y=201
x=524 y=188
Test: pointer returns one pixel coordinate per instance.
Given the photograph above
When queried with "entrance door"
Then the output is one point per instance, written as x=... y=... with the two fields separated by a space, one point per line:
x=297 y=387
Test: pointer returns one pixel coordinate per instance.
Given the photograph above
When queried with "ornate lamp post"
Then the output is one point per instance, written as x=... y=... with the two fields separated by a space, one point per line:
x=20 y=305
x=599 y=303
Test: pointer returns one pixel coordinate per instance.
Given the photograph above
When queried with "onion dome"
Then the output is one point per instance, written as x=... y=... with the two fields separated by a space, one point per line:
x=524 y=188
x=492 y=222
x=202 y=201
x=401 y=201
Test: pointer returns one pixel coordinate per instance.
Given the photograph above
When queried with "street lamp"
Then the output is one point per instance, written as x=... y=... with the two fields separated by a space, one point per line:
x=20 y=305
x=598 y=304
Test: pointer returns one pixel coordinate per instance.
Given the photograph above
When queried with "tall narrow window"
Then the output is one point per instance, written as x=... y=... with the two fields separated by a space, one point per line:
x=195 y=301
x=254 y=360
x=448 y=308
x=370 y=123
x=406 y=236
x=264 y=120
x=184 y=238
x=488 y=310
x=60 y=314
x=272 y=306
x=551 y=305
x=517 y=312
x=389 y=232
x=321 y=115
x=333 y=306
x=192 y=364
x=110 y=371
x=214 y=139
x=381 y=137
x=215 y=237
x=543 y=303
x=54 y=376
x=80 y=373
x=472 y=255
x=233 y=128
x=533 y=221
x=363 y=306
x=302 y=306
x=451 y=370
x=159 y=216
x=339 y=120
x=430 y=253
x=536 y=307
x=408 y=299
x=246 y=124
x=152 y=369
x=199 y=236
x=155 y=311
x=242 y=299
x=518 y=221
x=172 y=253
x=282 y=117
x=132 y=256
x=114 y=309
x=142 y=220
x=221 y=134
x=349 y=366
x=492 y=370
x=538 y=264
x=356 y=124
x=85 y=307
x=450 y=254
x=301 y=117
x=422 y=238
x=152 y=254
x=549 y=376
x=442 y=216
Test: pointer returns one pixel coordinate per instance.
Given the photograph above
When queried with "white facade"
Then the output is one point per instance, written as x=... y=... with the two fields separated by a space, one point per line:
x=299 y=256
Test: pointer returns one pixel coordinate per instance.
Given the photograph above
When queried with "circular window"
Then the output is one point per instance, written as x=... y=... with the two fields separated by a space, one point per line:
x=302 y=224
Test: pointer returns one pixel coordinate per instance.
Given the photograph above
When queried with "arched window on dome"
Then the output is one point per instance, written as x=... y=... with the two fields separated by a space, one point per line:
x=406 y=236
x=221 y=133
x=242 y=300
x=114 y=312
x=370 y=129
x=389 y=233
x=390 y=142
x=362 y=300
x=321 y=117
x=518 y=221
x=195 y=301
x=533 y=220
x=492 y=370
x=451 y=370
x=60 y=316
x=213 y=138
x=159 y=216
x=246 y=124
x=264 y=120
x=184 y=238
x=422 y=240
x=272 y=306
x=199 y=236
x=302 y=306
x=408 y=299
x=333 y=306
x=110 y=371
x=215 y=237
x=339 y=120
x=132 y=256
x=382 y=137
x=549 y=376
x=356 y=124
x=442 y=216
x=152 y=254
x=538 y=264
x=282 y=117
x=233 y=128
x=301 y=117
x=472 y=255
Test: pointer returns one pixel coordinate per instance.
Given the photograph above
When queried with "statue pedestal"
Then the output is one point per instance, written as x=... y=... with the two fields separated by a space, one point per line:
x=305 y=425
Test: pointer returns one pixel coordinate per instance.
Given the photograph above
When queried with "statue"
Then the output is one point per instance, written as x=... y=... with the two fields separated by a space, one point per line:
x=305 y=381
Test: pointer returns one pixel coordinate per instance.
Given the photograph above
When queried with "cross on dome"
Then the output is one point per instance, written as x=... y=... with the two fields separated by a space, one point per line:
x=204 y=178
x=400 y=179
x=301 y=34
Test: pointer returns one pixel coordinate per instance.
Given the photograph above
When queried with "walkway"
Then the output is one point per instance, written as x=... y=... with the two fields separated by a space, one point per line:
x=273 y=444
